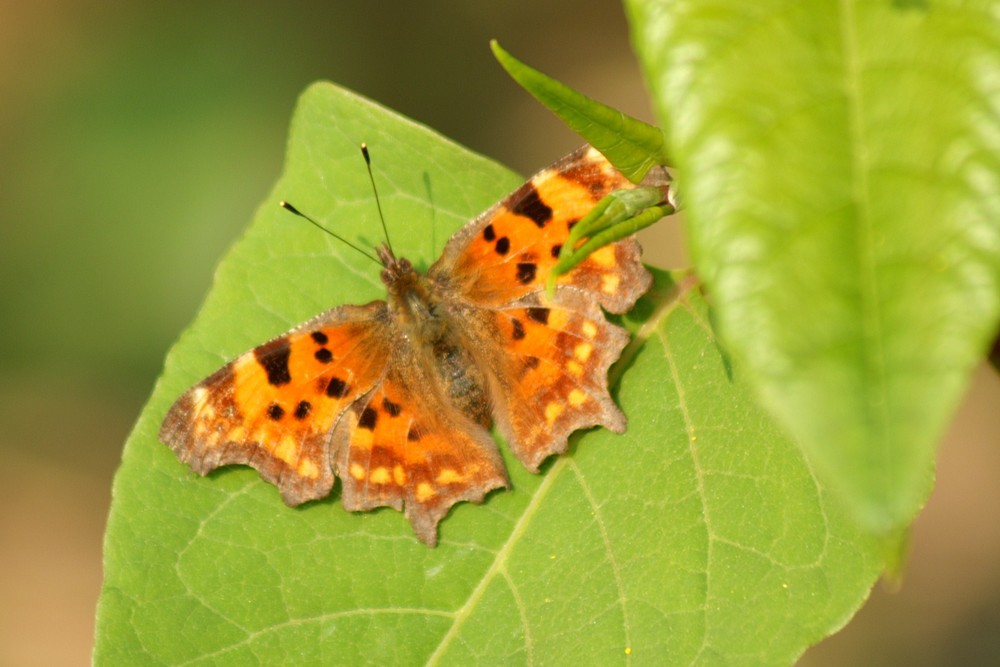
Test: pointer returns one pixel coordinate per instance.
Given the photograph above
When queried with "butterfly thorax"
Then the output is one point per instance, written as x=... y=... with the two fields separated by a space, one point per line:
x=431 y=335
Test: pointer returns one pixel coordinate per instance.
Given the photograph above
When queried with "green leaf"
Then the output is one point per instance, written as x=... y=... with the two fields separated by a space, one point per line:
x=652 y=546
x=841 y=175
x=632 y=146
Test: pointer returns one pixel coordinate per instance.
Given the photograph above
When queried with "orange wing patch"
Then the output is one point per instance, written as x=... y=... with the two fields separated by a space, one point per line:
x=274 y=407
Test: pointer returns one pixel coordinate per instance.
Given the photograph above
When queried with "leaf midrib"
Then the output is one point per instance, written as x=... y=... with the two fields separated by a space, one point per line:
x=872 y=353
x=669 y=300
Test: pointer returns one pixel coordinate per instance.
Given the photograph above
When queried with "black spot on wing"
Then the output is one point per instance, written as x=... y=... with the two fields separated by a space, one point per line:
x=368 y=419
x=531 y=206
x=319 y=337
x=518 y=332
x=336 y=388
x=324 y=355
x=503 y=245
x=392 y=409
x=526 y=272
x=273 y=358
x=489 y=233
x=302 y=409
x=540 y=315
x=275 y=411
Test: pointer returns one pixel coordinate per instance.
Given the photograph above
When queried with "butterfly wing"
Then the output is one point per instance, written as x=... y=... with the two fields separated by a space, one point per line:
x=548 y=358
x=340 y=394
x=275 y=407
x=403 y=446
x=551 y=378
x=508 y=251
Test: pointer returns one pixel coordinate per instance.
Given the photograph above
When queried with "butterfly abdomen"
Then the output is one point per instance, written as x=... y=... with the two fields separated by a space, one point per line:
x=462 y=380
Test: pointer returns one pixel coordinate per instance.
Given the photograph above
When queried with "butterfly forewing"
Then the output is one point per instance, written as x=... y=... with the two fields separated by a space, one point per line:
x=274 y=407
x=508 y=251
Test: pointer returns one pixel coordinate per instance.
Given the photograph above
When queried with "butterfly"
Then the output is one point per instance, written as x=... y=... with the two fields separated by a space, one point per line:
x=396 y=397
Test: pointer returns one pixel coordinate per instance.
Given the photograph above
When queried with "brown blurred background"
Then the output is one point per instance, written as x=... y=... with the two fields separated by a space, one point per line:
x=136 y=139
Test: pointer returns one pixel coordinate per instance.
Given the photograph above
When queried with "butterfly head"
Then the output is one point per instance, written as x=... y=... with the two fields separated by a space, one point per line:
x=393 y=270
x=398 y=274
x=411 y=298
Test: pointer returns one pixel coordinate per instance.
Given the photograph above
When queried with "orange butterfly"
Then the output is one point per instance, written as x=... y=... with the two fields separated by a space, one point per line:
x=396 y=397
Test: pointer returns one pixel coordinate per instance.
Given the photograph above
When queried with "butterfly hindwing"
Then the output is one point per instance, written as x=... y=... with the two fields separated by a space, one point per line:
x=403 y=447
x=551 y=373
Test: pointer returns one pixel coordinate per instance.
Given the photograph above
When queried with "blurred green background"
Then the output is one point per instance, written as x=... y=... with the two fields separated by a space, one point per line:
x=136 y=139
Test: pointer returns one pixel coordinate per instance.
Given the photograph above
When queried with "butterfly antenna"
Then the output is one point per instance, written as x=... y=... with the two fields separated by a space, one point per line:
x=291 y=209
x=368 y=163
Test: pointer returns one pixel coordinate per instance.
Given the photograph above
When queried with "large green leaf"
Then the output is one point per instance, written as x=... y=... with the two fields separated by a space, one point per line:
x=654 y=546
x=841 y=171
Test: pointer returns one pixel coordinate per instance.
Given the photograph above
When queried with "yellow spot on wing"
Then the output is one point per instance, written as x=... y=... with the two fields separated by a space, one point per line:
x=574 y=368
x=287 y=449
x=198 y=395
x=357 y=471
x=399 y=475
x=362 y=438
x=448 y=476
x=589 y=329
x=206 y=411
x=380 y=475
x=582 y=351
x=552 y=412
x=308 y=469
x=577 y=398
x=609 y=283
x=605 y=256
x=424 y=492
